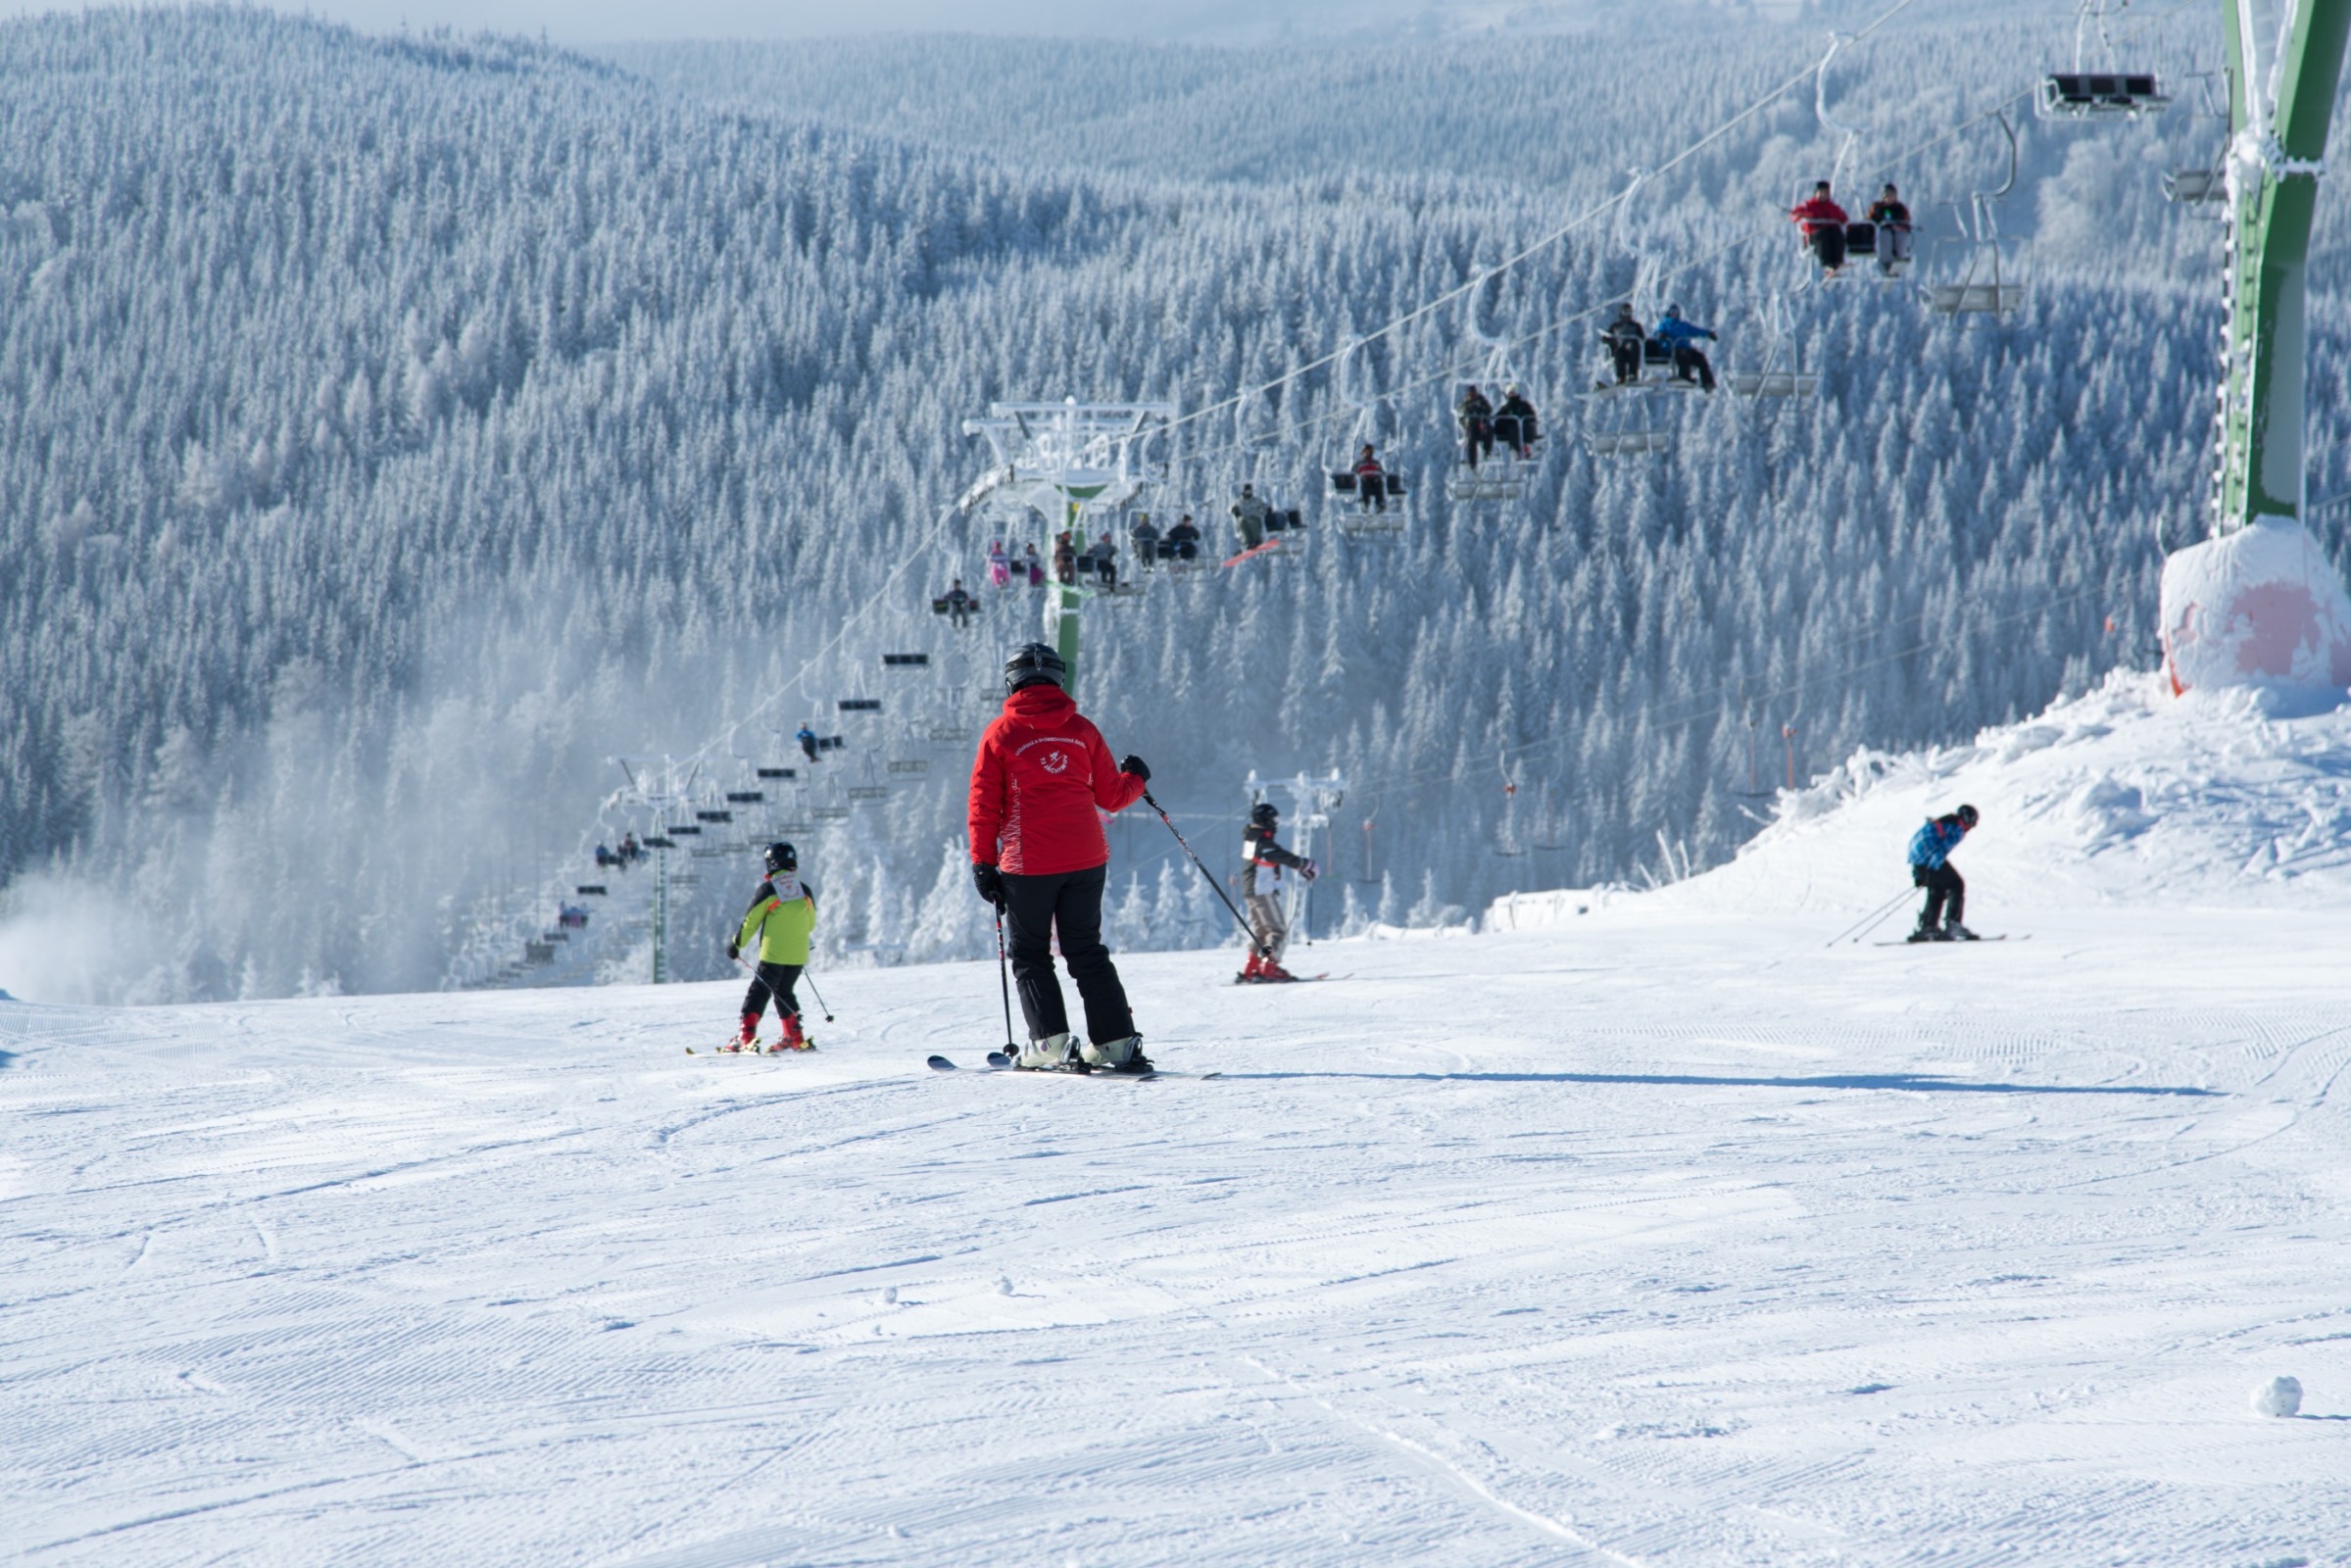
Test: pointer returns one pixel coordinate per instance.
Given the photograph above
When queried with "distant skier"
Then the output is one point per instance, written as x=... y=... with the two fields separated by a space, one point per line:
x=1627 y=340
x=1514 y=424
x=1477 y=425
x=1930 y=868
x=809 y=745
x=1890 y=215
x=1822 y=225
x=1259 y=849
x=1680 y=340
x=776 y=927
x=1041 y=780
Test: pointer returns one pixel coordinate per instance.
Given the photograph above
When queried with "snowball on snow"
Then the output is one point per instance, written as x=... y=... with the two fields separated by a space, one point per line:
x=2278 y=1397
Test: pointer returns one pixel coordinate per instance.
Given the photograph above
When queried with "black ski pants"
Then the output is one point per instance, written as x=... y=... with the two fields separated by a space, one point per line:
x=772 y=980
x=1071 y=903
x=1946 y=894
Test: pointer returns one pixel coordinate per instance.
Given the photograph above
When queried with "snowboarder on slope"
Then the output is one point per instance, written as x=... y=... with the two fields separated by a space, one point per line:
x=1930 y=868
x=1257 y=848
x=776 y=927
x=1042 y=777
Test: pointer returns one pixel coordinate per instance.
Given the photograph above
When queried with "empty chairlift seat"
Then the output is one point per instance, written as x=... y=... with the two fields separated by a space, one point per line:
x=2092 y=94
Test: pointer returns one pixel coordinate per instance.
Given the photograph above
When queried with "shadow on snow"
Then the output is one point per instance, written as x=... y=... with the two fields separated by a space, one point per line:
x=1917 y=1083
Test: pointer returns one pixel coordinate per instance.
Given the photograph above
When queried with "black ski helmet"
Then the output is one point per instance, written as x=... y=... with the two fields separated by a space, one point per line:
x=1032 y=662
x=782 y=857
x=1966 y=815
x=1262 y=815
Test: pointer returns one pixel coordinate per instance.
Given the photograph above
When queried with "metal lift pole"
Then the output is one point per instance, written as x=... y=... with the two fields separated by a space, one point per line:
x=2284 y=65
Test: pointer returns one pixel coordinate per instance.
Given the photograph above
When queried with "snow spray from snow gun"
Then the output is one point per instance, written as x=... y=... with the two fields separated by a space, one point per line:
x=753 y=971
x=1254 y=945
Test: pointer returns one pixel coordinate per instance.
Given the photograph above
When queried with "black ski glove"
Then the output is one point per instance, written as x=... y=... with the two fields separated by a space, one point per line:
x=1136 y=765
x=733 y=952
x=1306 y=870
x=988 y=880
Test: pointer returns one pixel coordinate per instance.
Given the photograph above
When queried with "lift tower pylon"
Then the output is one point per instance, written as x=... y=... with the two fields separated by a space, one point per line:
x=1071 y=463
x=2257 y=602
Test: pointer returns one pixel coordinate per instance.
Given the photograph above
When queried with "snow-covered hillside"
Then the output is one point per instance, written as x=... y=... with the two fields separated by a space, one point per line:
x=1668 y=1235
x=2124 y=797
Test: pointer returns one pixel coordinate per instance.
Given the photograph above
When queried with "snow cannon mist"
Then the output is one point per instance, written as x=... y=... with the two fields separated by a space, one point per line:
x=2257 y=604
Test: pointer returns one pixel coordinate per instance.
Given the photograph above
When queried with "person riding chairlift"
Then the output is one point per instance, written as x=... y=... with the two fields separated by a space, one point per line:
x=1823 y=223
x=959 y=604
x=1627 y=339
x=1000 y=565
x=1477 y=425
x=1371 y=480
x=1680 y=340
x=1514 y=424
x=1146 y=536
x=1892 y=216
x=1183 y=540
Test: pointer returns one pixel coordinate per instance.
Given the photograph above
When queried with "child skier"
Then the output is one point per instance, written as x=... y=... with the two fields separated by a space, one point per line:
x=1038 y=785
x=1257 y=848
x=782 y=913
x=1930 y=868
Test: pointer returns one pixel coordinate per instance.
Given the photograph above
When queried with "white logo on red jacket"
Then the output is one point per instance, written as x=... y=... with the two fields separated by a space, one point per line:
x=1054 y=762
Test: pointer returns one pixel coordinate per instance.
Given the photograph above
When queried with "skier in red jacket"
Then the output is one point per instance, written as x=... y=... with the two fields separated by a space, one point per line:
x=1041 y=777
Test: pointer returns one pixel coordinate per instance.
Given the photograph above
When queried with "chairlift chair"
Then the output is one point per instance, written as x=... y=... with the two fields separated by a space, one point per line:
x=2107 y=92
x=590 y=889
x=1782 y=373
x=1372 y=506
x=906 y=661
x=2203 y=182
x=869 y=791
x=1979 y=272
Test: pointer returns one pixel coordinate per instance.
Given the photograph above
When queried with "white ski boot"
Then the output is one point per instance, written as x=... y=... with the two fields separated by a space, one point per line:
x=1052 y=1054
x=1117 y=1055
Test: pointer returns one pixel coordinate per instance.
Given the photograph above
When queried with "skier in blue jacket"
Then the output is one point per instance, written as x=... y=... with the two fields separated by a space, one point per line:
x=1681 y=339
x=1930 y=868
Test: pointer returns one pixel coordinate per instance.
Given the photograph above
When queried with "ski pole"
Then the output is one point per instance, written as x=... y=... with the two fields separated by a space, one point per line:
x=1254 y=945
x=1868 y=922
x=1003 y=976
x=804 y=974
x=818 y=995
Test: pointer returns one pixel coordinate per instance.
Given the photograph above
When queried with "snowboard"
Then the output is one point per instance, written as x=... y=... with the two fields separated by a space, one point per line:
x=997 y=1061
x=1266 y=548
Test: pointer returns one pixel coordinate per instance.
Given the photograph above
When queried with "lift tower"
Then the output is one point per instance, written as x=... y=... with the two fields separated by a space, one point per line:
x=2258 y=602
x=1072 y=464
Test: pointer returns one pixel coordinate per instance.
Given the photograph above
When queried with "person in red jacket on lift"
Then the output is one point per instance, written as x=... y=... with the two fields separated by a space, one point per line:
x=1042 y=777
x=1821 y=223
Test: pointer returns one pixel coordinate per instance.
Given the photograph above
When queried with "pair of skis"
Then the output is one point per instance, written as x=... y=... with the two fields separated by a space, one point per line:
x=997 y=1061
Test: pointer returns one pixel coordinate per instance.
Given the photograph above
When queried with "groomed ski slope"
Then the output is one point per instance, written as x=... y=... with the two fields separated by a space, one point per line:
x=1663 y=1235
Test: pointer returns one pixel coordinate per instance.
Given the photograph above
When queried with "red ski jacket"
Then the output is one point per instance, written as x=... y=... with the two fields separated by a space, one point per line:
x=1041 y=774
x=1818 y=211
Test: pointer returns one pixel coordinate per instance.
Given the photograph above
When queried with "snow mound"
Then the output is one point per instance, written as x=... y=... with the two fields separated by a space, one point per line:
x=2127 y=794
x=2278 y=1397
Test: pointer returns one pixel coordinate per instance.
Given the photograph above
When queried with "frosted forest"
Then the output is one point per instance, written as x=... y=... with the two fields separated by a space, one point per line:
x=393 y=431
